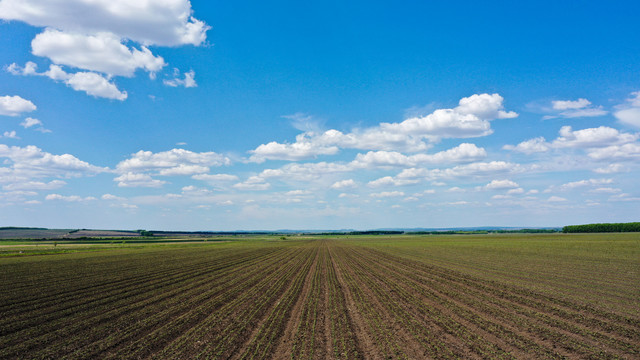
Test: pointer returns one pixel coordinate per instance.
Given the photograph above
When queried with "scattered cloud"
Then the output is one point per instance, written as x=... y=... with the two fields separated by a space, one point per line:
x=387 y=194
x=501 y=185
x=188 y=81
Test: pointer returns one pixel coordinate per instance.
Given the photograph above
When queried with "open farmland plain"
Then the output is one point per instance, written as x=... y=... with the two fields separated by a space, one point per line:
x=379 y=297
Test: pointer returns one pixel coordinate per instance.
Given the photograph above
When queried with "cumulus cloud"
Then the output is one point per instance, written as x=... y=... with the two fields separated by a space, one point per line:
x=95 y=85
x=253 y=183
x=165 y=23
x=188 y=81
x=629 y=113
x=172 y=162
x=501 y=185
x=138 y=180
x=29 y=162
x=92 y=83
x=344 y=184
x=593 y=137
x=102 y=52
x=15 y=105
x=575 y=108
x=10 y=135
x=471 y=118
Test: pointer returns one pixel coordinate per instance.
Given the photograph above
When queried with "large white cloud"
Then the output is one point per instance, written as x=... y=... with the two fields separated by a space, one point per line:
x=164 y=22
x=15 y=105
x=471 y=118
x=103 y=52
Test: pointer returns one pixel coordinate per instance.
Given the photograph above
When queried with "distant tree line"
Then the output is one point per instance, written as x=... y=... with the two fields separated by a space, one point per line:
x=606 y=227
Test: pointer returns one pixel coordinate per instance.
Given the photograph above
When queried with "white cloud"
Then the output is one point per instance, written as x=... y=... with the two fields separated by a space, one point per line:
x=15 y=105
x=188 y=81
x=103 y=52
x=601 y=143
x=215 y=178
x=386 y=194
x=556 y=199
x=583 y=183
x=575 y=108
x=183 y=170
x=95 y=85
x=471 y=118
x=388 y=181
x=592 y=137
x=617 y=152
x=71 y=198
x=253 y=183
x=535 y=145
x=138 y=180
x=110 y=197
x=29 y=122
x=10 y=135
x=95 y=35
x=605 y=190
x=172 y=162
x=92 y=83
x=610 y=169
x=462 y=153
x=629 y=112
x=165 y=23
x=35 y=185
x=31 y=162
x=570 y=105
x=501 y=185
x=344 y=184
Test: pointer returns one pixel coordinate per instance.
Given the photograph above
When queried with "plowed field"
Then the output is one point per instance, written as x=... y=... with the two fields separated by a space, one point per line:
x=401 y=297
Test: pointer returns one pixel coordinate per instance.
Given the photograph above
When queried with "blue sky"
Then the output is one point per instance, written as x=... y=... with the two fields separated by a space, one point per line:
x=225 y=115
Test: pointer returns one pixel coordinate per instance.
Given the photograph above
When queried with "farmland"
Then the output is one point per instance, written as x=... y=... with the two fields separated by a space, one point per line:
x=343 y=297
